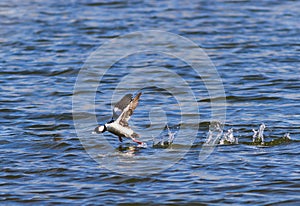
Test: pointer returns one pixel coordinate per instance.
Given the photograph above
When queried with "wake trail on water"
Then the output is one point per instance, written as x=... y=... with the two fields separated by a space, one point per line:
x=258 y=138
x=216 y=136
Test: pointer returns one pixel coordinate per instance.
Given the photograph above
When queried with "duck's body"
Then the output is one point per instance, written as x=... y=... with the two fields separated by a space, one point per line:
x=121 y=114
x=120 y=130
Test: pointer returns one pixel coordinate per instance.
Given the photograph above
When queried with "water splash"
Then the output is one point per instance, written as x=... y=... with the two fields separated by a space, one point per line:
x=287 y=136
x=258 y=136
x=143 y=145
x=255 y=133
x=162 y=143
x=228 y=138
x=213 y=137
x=282 y=140
x=171 y=135
x=214 y=134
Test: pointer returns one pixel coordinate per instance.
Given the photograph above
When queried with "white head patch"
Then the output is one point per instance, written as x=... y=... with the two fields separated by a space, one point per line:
x=101 y=128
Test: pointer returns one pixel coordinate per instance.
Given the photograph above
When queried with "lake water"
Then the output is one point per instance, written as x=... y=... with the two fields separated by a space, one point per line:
x=55 y=90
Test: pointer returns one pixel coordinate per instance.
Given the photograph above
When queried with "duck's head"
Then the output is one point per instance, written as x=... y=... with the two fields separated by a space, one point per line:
x=100 y=129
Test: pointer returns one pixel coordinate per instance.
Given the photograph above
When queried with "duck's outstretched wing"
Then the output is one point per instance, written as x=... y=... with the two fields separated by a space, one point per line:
x=128 y=111
x=121 y=105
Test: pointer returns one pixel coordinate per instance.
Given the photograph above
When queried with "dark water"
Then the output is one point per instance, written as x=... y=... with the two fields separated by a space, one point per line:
x=255 y=48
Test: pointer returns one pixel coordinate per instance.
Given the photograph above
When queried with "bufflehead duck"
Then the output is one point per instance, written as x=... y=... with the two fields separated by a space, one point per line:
x=122 y=112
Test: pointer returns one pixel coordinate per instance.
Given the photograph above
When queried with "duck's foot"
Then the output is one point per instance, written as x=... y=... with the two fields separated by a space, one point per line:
x=141 y=144
x=137 y=141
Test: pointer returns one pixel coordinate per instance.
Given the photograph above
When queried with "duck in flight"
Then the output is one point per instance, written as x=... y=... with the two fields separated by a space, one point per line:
x=122 y=112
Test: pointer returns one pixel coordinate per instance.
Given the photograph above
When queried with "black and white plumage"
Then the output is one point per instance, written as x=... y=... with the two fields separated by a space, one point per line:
x=122 y=112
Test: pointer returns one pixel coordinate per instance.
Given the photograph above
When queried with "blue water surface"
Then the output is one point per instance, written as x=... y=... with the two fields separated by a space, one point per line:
x=255 y=49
